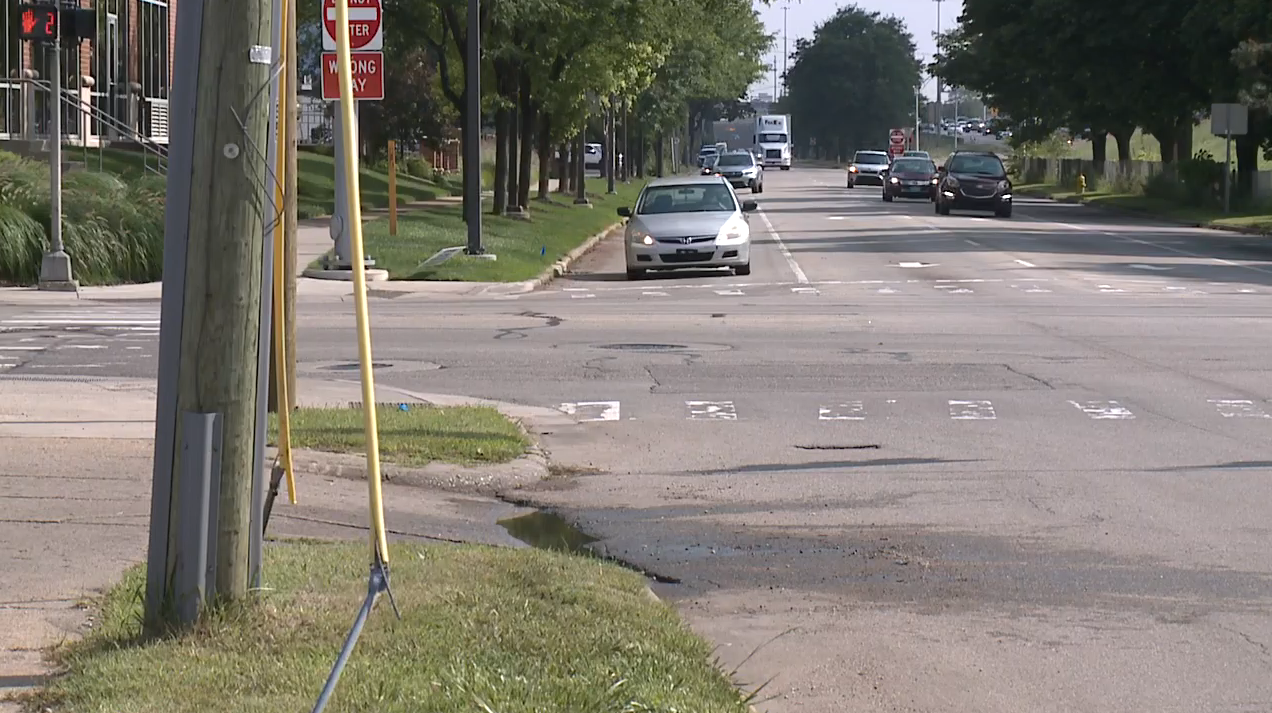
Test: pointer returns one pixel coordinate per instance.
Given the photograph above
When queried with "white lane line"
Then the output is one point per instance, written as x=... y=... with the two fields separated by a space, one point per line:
x=805 y=290
x=1239 y=408
x=592 y=410
x=712 y=410
x=1159 y=246
x=729 y=293
x=973 y=243
x=800 y=277
x=653 y=293
x=848 y=411
x=21 y=349
x=1104 y=410
x=583 y=296
x=1025 y=263
x=972 y=411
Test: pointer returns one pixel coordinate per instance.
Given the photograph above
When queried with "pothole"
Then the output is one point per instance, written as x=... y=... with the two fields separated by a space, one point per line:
x=655 y=347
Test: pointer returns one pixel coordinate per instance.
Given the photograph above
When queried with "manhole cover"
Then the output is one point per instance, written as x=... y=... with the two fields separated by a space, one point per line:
x=354 y=366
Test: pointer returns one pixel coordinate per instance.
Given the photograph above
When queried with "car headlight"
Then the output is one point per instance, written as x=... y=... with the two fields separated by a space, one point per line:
x=732 y=233
x=935 y=180
x=852 y=169
x=1003 y=186
x=894 y=179
x=642 y=238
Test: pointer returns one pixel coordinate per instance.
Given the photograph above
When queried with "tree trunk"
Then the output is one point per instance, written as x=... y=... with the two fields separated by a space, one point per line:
x=1184 y=138
x=514 y=154
x=1245 y=152
x=659 y=156
x=640 y=152
x=528 y=117
x=501 y=162
x=1123 y=139
x=627 y=146
x=1168 y=140
x=1099 y=149
x=546 y=163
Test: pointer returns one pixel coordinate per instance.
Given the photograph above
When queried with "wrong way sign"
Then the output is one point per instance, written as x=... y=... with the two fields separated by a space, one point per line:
x=366 y=25
x=368 y=76
x=896 y=142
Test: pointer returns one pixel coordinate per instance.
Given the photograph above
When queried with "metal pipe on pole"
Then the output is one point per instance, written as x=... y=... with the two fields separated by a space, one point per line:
x=472 y=147
x=55 y=268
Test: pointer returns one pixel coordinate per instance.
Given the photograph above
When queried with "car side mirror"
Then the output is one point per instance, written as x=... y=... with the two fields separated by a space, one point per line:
x=749 y=206
x=625 y=212
x=940 y=169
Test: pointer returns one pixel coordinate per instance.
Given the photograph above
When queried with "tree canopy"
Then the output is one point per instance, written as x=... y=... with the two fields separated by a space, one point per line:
x=1156 y=65
x=852 y=82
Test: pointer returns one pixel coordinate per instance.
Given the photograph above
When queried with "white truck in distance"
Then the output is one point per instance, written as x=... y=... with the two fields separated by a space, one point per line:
x=773 y=139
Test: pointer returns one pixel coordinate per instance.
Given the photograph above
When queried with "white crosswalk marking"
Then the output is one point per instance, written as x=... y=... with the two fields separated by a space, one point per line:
x=1239 y=408
x=848 y=411
x=712 y=410
x=805 y=290
x=592 y=410
x=729 y=293
x=1104 y=410
x=142 y=320
x=653 y=293
x=972 y=411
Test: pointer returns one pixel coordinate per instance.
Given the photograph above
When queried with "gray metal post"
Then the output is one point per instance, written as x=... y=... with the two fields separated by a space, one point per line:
x=55 y=268
x=193 y=566
x=256 y=534
x=340 y=228
x=183 y=110
x=610 y=163
x=472 y=149
x=580 y=193
x=1227 y=168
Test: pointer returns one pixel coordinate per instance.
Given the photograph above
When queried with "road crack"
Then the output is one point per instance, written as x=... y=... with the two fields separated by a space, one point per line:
x=1031 y=377
x=520 y=332
x=650 y=371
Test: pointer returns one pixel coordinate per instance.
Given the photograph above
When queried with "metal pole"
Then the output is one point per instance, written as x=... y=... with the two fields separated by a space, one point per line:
x=341 y=231
x=610 y=164
x=375 y=586
x=1227 y=167
x=472 y=150
x=183 y=110
x=940 y=114
x=55 y=268
x=916 y=119
x=785 y=51
x=580 y=193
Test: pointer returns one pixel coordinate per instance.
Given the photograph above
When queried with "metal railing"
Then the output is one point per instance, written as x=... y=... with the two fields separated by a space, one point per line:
x=150 y=149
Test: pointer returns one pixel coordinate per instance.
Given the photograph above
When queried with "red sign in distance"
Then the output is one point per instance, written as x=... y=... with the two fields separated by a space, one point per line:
x=896 y=142
x=366 y=24
x=368 y=76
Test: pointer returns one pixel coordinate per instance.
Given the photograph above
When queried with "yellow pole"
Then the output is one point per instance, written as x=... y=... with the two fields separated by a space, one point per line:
x=353 y=193
x=392 y=187
x=280 y=253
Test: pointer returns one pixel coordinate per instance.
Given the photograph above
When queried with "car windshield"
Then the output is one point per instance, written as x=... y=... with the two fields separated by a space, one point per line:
x=736 y=160
x=772 y=138
x=913 y=165
x=977 y=165
x=873 y=159
x=687 y=198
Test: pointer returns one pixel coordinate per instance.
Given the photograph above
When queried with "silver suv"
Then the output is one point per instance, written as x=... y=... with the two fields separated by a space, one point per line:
x=868 y=167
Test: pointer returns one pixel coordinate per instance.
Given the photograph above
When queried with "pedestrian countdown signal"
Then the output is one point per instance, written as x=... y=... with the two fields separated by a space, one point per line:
x=39 y=23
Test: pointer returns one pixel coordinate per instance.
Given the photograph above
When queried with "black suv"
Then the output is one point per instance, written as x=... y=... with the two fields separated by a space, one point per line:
x=974 y=180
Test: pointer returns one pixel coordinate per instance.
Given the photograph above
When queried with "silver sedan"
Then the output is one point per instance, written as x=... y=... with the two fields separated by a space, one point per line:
x=688 y=222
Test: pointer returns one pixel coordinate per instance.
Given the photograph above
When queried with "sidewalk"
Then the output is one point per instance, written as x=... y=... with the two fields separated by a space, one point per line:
x=75 y=484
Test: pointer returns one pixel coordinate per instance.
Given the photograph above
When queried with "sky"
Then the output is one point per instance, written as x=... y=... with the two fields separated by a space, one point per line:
x=804 y=16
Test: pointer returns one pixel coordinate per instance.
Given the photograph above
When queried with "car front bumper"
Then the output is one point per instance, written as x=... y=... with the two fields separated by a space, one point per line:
x=742 y=181
x=959 y=200
x=668 y=256
x=863 y=178
x=907 y=189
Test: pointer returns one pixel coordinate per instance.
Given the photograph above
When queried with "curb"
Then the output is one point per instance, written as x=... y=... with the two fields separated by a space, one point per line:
x=555 y=270
x=1077 y=200
x=482 y=479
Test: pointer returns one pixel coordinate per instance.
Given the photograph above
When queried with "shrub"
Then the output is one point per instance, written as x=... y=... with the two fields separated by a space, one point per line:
x=418 y=167
x=112 y=229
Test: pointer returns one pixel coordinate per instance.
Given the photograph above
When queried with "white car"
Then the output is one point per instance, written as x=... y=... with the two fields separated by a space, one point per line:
x=687 y=222
x=592 y=154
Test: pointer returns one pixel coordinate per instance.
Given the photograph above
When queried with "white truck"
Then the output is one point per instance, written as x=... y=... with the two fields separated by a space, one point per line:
x=773 y=140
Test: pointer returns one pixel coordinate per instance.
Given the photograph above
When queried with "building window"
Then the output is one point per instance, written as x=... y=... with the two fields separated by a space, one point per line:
x=152 y=46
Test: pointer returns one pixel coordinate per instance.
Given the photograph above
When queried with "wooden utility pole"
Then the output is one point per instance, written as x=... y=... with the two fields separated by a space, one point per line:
x=209 y=355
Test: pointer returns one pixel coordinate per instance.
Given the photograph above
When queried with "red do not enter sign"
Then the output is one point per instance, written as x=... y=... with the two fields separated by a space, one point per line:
x=366 y=25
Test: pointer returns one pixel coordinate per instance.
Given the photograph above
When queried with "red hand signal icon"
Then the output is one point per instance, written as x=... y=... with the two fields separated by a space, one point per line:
x=28 y=22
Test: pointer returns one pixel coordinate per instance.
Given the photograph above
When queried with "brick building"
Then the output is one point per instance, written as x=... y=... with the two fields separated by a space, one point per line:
x=116 y=86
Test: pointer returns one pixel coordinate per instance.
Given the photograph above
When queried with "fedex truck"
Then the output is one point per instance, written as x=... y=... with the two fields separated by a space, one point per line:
x=773 y=140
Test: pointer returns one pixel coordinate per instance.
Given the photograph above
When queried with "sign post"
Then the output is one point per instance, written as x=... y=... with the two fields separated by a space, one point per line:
x=896 y=142
x=366 y=42
x=1228 y=120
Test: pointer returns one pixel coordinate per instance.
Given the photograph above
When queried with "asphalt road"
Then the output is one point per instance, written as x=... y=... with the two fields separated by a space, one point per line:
x=922 y=463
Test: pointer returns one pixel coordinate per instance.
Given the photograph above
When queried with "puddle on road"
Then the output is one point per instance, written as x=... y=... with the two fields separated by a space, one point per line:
x=548 y=531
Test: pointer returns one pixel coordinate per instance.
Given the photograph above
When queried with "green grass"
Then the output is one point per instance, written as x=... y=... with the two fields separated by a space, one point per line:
x=417 y=436
x=316 y=186
x=523 y=248
x=482 y=629
x=1258 y=218
x=1146 y=148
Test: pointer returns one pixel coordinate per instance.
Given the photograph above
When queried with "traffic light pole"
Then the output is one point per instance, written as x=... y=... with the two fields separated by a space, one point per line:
x=55 y=268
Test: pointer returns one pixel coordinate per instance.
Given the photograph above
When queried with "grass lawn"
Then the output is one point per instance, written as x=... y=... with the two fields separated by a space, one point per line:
x=482 y=629
x=1259 y=218
x=417 y=436
x=315 y=182
x=1146 y=148
x=523 y=248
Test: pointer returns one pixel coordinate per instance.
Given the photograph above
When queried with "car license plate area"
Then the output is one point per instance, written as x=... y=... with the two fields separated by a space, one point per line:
x=688 y=255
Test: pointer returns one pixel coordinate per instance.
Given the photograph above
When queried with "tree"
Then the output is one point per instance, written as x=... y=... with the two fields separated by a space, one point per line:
x=853 y=82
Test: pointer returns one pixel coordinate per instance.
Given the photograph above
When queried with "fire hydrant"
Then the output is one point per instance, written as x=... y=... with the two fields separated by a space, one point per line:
x=1081 y=183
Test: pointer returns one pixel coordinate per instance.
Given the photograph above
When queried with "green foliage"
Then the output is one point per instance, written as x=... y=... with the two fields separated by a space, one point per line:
x=418 y=167
x=853 y=82
x=1196 y=182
